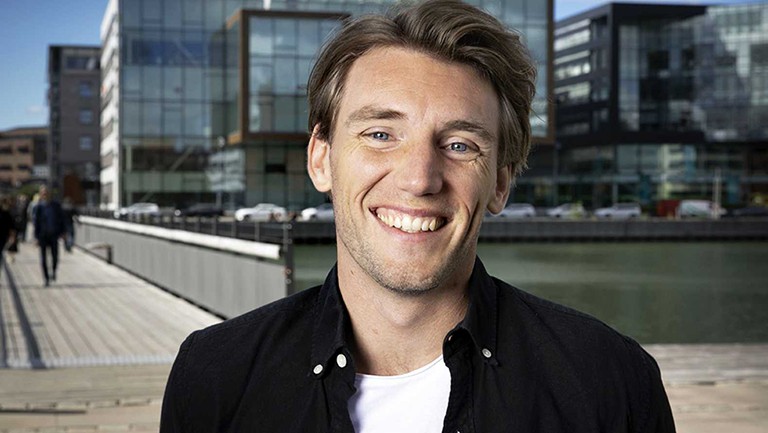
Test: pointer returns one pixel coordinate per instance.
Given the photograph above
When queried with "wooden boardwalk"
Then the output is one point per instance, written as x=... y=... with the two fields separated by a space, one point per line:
x=94 y=314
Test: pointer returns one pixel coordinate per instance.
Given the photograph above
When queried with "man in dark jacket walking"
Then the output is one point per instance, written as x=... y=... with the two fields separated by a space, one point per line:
x=7 y=226
x=48 y=220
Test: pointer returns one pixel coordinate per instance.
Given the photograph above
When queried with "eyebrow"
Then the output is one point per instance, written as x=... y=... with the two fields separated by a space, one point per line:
x=370 y=112
x=471 y=127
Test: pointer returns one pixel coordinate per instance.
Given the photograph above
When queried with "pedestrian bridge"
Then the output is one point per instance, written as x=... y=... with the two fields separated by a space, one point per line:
x=224 y=275
x=94 y=314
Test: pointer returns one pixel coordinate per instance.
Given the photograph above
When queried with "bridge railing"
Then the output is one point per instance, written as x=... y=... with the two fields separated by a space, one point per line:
x=226 y=267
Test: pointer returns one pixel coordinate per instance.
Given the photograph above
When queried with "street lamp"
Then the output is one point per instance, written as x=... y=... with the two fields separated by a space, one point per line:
x=221 y=143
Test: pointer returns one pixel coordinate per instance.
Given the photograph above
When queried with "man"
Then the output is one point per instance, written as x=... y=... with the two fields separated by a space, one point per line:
x=7 y=226
x=69 y=212
x=48 y=221
x=420 y=121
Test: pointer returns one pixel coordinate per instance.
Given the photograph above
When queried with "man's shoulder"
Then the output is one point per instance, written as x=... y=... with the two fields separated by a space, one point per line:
x=295 y=311
x=548 y=321
x=579 y=361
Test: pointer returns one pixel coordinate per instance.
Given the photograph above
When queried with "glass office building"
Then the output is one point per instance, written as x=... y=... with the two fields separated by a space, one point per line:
x=205 y=100
x=663 y=102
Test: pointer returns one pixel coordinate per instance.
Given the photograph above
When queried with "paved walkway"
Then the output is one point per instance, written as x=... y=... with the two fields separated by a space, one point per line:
x=92 y=353
x=93 y=314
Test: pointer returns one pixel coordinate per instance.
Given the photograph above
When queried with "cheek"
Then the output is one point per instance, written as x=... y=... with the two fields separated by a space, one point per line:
x=355 y=174
x=478 y=186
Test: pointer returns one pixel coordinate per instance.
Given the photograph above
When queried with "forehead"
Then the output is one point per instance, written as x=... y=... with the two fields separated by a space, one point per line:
x=418 y=85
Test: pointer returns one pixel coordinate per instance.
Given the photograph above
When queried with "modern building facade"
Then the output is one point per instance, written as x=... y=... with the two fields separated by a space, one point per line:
x=205 y=101
x=23 y=157
x=660 y=102
x=73 y=97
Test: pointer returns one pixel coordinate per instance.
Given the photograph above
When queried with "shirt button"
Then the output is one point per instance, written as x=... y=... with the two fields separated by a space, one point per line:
x=486 y=353
x=318 y=369
x=341 y=360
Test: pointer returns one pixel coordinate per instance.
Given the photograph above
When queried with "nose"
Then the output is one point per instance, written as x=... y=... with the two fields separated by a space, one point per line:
x=420 y=170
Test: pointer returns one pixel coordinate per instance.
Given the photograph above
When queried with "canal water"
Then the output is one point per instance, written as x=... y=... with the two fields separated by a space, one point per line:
x=660 y=292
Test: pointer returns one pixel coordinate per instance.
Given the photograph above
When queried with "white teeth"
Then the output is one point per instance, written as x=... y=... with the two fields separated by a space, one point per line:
x=408 y=223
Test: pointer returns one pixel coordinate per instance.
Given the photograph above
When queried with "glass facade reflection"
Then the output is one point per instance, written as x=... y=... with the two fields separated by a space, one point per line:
x=676 y=102
x=205 y=100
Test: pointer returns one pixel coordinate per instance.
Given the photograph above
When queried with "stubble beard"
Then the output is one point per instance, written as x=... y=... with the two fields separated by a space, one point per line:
x=398 y=280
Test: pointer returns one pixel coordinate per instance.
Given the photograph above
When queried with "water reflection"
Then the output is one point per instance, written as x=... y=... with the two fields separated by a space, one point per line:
x=713 y=292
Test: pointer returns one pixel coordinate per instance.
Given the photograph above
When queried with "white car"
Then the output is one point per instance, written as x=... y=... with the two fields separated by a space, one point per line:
x=261 y=212
x=517 y=210
x=323 y=212
x=568 y=210
x=138 y=209
x=620 y=211
x=699 y=208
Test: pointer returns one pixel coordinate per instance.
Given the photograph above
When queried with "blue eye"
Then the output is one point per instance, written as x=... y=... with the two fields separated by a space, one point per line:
x=458 y=147
x=378 y=135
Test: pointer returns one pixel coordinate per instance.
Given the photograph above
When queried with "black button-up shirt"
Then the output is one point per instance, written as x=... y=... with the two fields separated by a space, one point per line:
x=518 y=364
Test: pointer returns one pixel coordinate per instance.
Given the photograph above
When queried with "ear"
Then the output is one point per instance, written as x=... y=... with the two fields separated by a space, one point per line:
x=501 y=190
x=319 y=162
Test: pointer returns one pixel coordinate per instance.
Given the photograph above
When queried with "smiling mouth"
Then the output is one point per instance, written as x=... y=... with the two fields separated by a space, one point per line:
x=409 y=223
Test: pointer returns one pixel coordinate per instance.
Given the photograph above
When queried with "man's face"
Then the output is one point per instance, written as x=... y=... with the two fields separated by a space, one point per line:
x=411 y=168
x=43 y=193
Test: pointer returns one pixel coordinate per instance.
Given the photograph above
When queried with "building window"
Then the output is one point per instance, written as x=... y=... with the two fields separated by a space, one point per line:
x=86 y=89
x=572 y=40
x=106 y=160
x=86 y=117
x=86 y=142
x=83 y=63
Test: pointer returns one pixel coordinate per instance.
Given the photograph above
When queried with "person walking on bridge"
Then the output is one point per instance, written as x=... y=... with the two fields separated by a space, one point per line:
x=48 y=220
x=7 y=226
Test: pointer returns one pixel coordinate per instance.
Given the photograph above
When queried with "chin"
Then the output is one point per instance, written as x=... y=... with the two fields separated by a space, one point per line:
x=406 y=282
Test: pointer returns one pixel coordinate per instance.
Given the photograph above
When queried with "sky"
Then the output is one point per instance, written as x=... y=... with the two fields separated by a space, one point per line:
x=28 y=27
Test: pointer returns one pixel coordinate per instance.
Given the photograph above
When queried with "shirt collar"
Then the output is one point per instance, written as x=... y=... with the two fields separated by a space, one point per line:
x=482 y=313
x=331 y=321
x=332 y=330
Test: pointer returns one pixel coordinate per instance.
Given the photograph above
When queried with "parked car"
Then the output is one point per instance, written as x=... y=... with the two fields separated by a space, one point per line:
x=568 y=210
x=261 y=212
x=751 y=211
x=517 y=210
x=699 y=208
x=137 y=209
x=323 y=212
x=200 y=209
x=619 y=211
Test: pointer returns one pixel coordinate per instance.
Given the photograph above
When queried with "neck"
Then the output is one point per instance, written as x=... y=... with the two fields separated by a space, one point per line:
x=395 y=333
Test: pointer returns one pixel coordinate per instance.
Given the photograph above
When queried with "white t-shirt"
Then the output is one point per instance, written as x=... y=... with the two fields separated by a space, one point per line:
x=412 y=402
